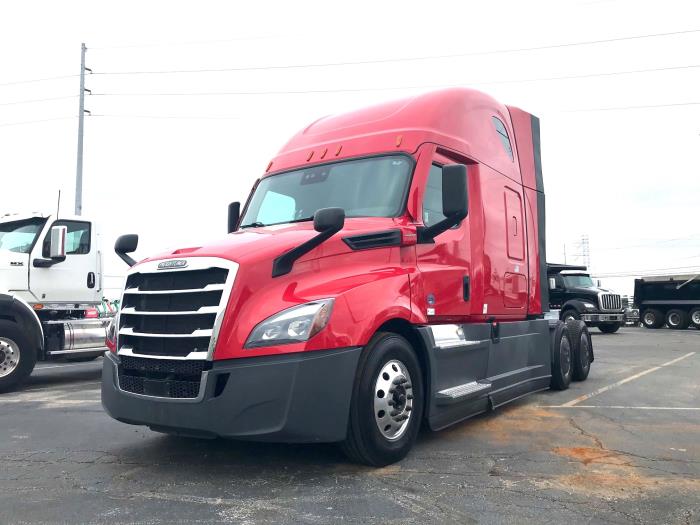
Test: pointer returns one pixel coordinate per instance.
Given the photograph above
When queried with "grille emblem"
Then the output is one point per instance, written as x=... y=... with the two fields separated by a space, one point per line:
x=172 y=264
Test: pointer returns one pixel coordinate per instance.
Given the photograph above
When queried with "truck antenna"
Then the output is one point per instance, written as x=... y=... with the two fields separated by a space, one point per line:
x=58 y=205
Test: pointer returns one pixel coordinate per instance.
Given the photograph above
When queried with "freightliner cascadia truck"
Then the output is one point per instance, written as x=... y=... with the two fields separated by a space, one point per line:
x=388 y=269
x=50 y=288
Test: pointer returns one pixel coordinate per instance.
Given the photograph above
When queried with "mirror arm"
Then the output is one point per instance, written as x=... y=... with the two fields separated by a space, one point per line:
x=128 y=260
x=282 y=265
x=427 y=234
x=48 y=263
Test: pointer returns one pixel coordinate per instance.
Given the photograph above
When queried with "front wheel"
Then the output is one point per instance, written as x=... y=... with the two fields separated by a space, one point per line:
x=17 y=357
x=387 y=402
x=609 y=328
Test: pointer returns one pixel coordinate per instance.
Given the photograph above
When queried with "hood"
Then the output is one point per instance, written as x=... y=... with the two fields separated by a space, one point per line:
x=263 y=245
x=14 y=271
x=593 y=291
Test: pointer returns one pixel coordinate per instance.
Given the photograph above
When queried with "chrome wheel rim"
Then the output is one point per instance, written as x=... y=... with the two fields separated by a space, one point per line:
x=649 y=318
x=674 y=319
x=569 y=317
x=9 y=356
x=393 y=400
x=565 y=356
x=696 y=317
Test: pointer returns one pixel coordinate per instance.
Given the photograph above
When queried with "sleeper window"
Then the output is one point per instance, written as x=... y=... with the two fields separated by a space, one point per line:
x=503 y=135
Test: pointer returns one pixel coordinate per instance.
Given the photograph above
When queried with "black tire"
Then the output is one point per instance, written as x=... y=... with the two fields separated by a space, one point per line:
x=609 y=328
x=13 y=340
x=652 y=318
x=570 y=313
x=677 y=319
x=365 y=442
x=560 y=344
x=581 y=350
x=694 y=317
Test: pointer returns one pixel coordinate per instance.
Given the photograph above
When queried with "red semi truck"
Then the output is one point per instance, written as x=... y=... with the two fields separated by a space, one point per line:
x=387 y=269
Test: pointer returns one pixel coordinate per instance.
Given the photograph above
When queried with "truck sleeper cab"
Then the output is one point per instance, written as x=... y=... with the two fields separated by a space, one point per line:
x=387 y=269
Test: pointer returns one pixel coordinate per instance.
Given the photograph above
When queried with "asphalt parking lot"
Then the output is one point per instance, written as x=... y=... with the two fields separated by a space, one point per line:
x=622 y=447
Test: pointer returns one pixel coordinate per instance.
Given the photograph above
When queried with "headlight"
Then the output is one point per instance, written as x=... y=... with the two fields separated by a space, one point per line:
x=112 y=329
x=292 y=325
x=589 y=305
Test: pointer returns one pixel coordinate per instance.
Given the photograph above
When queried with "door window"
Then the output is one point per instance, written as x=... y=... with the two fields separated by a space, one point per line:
x=77 y=238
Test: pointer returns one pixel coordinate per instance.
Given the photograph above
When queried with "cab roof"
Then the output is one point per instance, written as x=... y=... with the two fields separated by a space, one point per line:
x=458 y=119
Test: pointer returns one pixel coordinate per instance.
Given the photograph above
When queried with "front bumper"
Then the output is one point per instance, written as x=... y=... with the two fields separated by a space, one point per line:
x=603 y=317
x=289 y=398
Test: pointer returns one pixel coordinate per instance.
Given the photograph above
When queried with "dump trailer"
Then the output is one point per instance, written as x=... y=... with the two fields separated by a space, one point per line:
x=388 y=269
x=673 y=300
x=50 y=291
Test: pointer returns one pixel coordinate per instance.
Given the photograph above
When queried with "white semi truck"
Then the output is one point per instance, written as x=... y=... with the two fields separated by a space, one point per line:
x=50 y=288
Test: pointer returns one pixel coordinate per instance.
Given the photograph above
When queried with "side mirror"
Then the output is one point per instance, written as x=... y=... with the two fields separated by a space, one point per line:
x=57 y=248
x=552 y=283
x=329 y=219
x=57 y=242
x=126 y=244
x=327 y=222
x=234 y=215
x=454 y=191
x=454 y=202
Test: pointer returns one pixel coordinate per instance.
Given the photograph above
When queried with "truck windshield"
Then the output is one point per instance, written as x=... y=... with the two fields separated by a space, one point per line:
x=578 y=281
x=19 y=236
x=372 y=187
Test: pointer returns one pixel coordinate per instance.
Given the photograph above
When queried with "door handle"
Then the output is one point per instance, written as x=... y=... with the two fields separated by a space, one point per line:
x=91 y=280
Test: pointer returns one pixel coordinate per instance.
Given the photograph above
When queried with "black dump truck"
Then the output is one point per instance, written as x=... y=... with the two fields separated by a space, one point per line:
x=573 y=293
x=673 y=300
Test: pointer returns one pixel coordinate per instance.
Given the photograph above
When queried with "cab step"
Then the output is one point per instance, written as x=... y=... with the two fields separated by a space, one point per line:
x=463 y=392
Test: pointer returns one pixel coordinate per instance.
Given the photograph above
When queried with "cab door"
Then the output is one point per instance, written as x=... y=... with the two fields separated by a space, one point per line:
x=444 y=265
x=75 y=280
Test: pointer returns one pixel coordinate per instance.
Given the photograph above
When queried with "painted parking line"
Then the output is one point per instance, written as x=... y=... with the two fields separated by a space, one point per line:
x=77 y=385
x=621 y=407
x=579 y=399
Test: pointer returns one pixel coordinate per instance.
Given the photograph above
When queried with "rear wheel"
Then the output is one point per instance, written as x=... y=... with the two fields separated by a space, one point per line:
x=652 y=318
x=17 y=357
x=387 y=402
x=677 y=319
x=581 y=350
x=561 y=357
x=609 y=328
x=695 y=317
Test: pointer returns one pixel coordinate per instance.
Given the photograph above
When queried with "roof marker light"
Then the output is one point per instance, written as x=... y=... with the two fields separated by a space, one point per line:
x=323 y=155
x=268 y=167
x=399 y=138
x=337 y=152
x=310 y=156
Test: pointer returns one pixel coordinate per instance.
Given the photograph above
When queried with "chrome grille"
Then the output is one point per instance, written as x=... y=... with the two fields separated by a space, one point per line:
x=175 y=311
x=610 y=301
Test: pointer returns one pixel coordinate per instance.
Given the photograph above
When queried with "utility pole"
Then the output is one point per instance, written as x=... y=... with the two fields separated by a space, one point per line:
x=81 y=125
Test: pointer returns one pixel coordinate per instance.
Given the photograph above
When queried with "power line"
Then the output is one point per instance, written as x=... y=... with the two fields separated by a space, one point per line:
x=401 y=59
x=193 y=117
x=31 y=101
x=396 y=88
x=620 y=108
x=633 y=273
x=33 y=121
x=37 y=80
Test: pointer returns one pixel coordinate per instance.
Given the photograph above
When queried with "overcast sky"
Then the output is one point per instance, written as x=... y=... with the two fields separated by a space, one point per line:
x=165 y=165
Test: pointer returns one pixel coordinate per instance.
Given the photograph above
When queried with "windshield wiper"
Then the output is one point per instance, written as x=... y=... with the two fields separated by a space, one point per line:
x=253 y=225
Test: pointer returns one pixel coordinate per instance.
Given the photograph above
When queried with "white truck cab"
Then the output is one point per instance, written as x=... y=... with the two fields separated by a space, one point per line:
x=50 y=286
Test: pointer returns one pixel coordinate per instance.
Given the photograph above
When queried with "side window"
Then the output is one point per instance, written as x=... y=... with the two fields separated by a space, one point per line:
x=503 y=135
x=432 y=200
x=276 y=207
x=77 y=238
